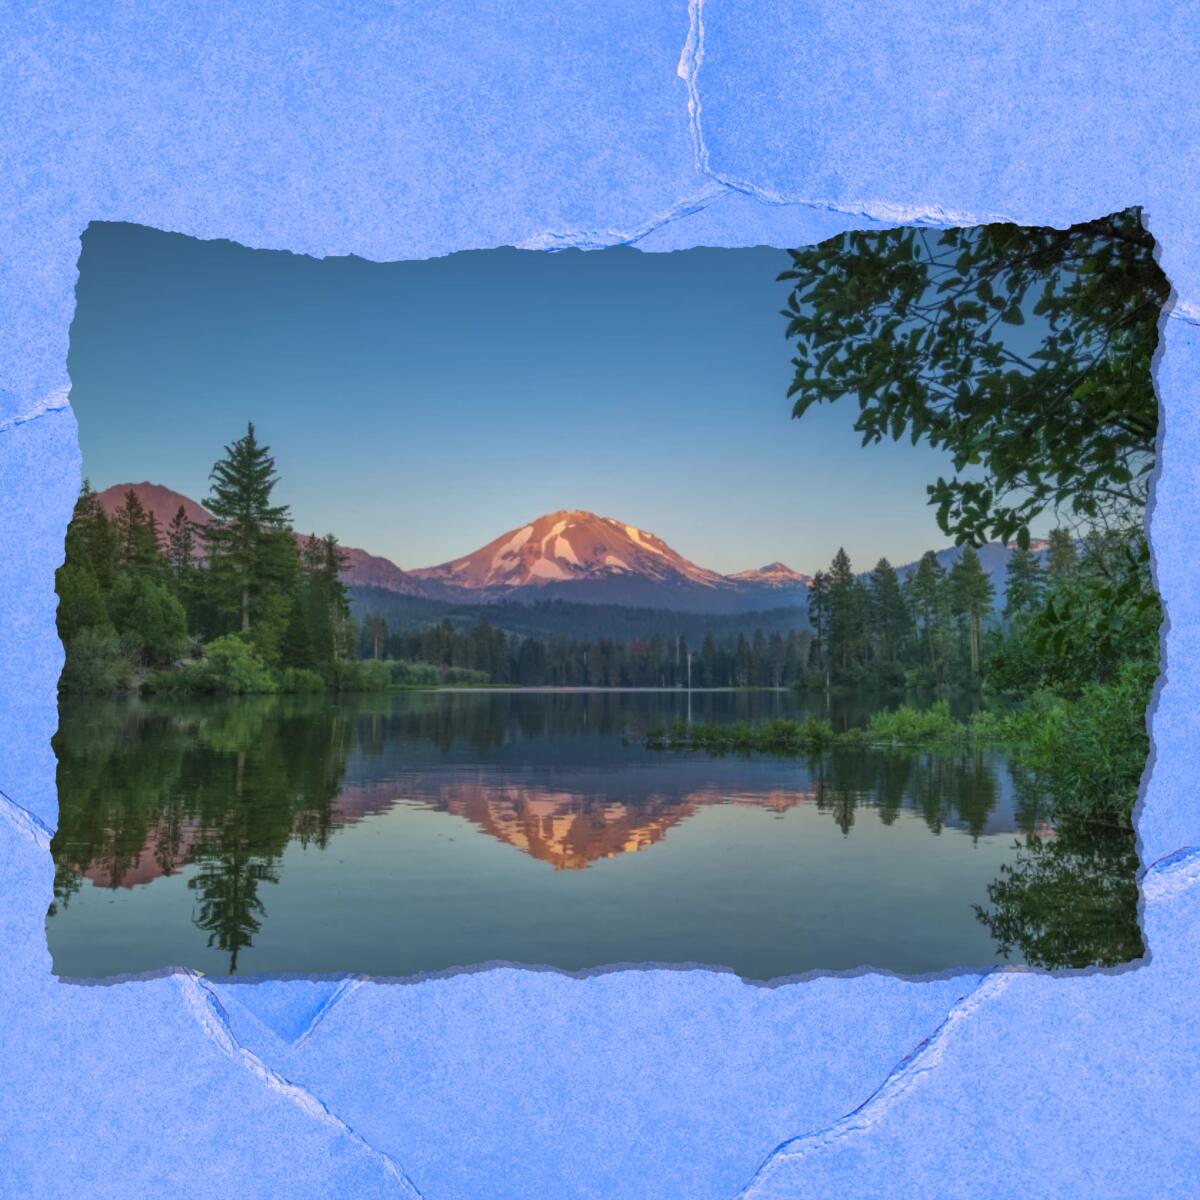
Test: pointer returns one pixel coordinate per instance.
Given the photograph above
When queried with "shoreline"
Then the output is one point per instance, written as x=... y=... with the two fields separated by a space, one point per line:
x=548 y=689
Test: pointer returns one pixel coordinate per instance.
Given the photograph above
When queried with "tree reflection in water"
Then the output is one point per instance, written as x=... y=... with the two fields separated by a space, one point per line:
x=146 y=788
x=1069 y=900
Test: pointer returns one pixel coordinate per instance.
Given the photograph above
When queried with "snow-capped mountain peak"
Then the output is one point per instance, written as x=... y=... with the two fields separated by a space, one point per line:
x=567 y=546
x=775 y=574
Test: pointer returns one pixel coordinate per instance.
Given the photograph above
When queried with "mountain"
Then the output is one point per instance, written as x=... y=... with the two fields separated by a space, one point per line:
x=531 y=615
x=362 y=568
x=568 y=546
x=571 y=556
x=775 y=575
x=993 y=557
x=156 y=499
x=580 y=557
x=375 y=571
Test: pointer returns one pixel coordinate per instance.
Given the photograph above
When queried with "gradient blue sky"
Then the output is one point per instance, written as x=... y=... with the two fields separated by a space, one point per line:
x=420 y=409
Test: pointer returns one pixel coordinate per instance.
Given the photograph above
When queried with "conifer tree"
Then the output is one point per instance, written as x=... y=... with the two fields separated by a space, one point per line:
x=1024 y=583
x=375 y=632
x=841 y=609
x=243 y=539
x=138 y=547
x=181 y=544
x=818 y=618
x=333 y=563
x=926 y=590
x=889 y=613
x=1061 y=556
x=91 y=539
x=296 y=648
x=971 y=595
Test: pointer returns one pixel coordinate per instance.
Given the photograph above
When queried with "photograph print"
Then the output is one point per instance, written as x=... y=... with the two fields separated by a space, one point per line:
x=769 y=610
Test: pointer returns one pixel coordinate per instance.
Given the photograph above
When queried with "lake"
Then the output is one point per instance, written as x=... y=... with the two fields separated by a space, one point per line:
x=420 y=831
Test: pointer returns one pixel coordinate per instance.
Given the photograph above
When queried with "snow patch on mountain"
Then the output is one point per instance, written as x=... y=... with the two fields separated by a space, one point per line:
x=639 y=537
x=562 y=549
x=510 y=548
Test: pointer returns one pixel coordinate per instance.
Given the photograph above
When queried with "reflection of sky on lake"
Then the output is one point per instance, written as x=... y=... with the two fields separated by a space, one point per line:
x=423 y=832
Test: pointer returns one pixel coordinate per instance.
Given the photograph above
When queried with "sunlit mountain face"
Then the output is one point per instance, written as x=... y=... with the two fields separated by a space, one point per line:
x=569 y=554
x=568 y=545
x=774 y=575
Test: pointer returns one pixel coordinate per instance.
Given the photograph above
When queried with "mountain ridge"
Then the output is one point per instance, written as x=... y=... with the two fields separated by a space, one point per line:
x=569 y=554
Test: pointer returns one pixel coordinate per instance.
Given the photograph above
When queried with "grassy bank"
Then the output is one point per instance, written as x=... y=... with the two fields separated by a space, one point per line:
x=905 y=726
x=1088 y=754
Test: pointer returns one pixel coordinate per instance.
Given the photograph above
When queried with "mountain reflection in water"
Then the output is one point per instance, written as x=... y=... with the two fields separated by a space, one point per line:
x=192 y=816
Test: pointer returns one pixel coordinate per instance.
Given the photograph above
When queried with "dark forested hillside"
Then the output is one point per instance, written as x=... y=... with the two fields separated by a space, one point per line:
x=560 y=618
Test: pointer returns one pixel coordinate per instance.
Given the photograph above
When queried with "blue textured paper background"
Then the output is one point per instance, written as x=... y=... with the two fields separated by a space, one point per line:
x=406 y=130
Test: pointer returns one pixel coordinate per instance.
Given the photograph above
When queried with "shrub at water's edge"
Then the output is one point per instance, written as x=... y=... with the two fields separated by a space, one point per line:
x=1088 y=754
x=231 y=666
x=409 y=674
x=781 y=736
x=908 y=726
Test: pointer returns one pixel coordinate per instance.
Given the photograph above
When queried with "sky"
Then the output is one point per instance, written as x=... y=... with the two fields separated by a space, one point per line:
x=420 y=409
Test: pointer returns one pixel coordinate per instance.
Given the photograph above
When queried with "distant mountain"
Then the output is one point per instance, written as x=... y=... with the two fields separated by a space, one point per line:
x=536 y=615
x=161 y=501
x=572 y=556
x=362 y=569
x=993 y=557
x=569 y=546
x=774 y=575
x=373 y=570
x=580 y=557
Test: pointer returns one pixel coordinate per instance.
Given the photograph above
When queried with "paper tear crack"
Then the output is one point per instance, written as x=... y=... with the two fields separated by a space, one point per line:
x=906 y=1075
x=601 y=239
x=29 y=824
x=1171 y=874
x=52 y=402
x=691 y=59
x=1165 y=878
x=206 y=1009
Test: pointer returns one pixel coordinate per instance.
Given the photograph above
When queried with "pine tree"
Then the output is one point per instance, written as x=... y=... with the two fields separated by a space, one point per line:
x=96 y=539
x=742 y=662
x=181 y=544
x=818 y=618
x=240 y=540
x=88 y=569
x=1061 y=556
x=138 y=547
x=926 y=591
x=1024 y=583
x=971 y=595
x=859 y=625
x=889 y=614
x=333 y=563
x=842 y=614
x=375 y=632
x=296 y=648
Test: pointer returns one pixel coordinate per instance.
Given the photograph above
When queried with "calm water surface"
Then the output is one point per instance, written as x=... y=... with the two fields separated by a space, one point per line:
x=419 y=831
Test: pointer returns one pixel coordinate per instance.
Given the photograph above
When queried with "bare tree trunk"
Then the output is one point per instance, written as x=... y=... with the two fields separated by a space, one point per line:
x=245 y=608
